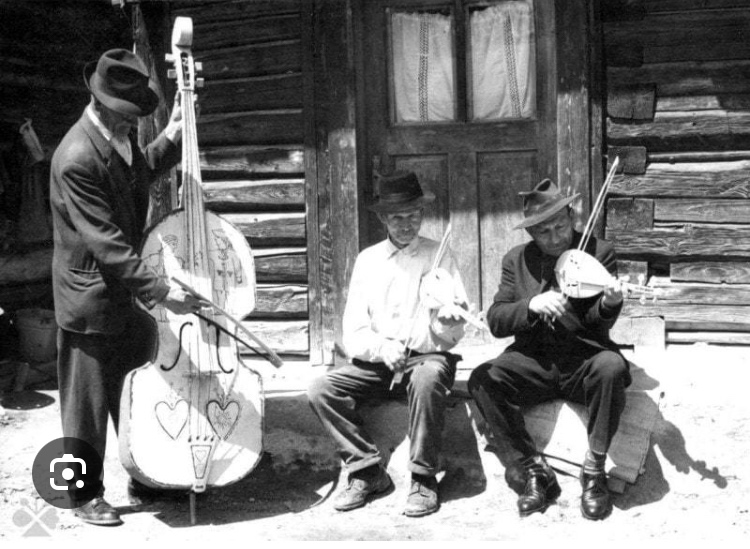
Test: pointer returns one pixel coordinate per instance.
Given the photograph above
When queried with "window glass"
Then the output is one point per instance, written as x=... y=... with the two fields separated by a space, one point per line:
x=423 y=67
x=502 y=61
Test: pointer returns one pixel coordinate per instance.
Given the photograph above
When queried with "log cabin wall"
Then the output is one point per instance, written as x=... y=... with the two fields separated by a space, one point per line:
x=43 y=48
x=251 y=140
x=678 y=116
x=250 y=133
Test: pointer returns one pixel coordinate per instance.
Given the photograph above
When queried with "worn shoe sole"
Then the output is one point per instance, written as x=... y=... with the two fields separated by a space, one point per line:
x=422 y=513
x=553 y=492
x=99 y=522
x=370 y=496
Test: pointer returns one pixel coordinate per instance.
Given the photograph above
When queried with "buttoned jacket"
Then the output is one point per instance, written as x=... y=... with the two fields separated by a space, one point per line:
x=99 y=206
x=526 y=273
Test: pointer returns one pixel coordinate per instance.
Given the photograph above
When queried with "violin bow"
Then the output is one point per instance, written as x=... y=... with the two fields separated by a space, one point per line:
x=272 y=357
x=442 y=248
x=589 y=228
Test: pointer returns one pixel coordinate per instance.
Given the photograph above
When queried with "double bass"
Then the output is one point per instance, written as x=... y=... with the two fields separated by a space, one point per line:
x=192 y=417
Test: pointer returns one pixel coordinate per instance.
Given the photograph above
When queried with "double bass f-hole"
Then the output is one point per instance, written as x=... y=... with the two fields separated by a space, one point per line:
x=217 y=335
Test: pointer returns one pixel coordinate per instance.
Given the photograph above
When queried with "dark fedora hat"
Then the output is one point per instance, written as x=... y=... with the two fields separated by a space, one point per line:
x=542 y=203
x=400 y=191
x=120 y=81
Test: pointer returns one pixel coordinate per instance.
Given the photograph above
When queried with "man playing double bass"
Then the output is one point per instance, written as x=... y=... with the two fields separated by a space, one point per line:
x=561 y=350
x=99 y=198
x=385 y=331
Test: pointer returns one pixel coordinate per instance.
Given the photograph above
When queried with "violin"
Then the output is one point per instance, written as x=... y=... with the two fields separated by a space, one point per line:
x=437 y=290
x=192 y=418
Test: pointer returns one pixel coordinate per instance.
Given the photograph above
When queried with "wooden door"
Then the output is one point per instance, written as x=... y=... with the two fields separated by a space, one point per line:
x=474 y=159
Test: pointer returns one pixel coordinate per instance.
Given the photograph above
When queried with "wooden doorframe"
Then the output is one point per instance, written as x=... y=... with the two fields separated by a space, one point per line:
x=332 y=191
x=337 y=169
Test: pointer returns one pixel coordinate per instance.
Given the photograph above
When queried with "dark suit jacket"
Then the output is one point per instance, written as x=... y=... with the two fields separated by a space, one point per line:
x=99 y=206
x=527 y=272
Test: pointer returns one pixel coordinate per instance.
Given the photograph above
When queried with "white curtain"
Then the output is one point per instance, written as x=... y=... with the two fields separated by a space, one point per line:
x=423 y=67
x=503 y=61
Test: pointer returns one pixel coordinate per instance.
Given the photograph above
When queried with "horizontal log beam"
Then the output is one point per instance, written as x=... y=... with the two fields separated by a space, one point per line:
x=276 y=265
x=211 y=35
x=699 y=180
x=686 y=78
x=670 y=131
x=697 y=293
x=252 y=60
x=711 y=271
x=720 y=338
x=279 y=194
x=693 y=317
x=283 y=337
x=252 y=128
x=729 y=102
x=271 y=229
x=692 y=241
x=280 y=301
x=702 y=210
x=222 y=10
x=220 y=162
x=252 y=94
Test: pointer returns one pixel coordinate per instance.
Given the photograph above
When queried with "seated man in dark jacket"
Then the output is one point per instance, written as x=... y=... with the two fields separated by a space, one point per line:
x=561 y=350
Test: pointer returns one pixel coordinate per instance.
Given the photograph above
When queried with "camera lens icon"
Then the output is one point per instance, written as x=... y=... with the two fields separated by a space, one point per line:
x=67 y=473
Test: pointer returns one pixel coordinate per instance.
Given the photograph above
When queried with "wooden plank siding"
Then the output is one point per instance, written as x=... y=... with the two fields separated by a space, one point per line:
x=251 y=138
x=680 y=207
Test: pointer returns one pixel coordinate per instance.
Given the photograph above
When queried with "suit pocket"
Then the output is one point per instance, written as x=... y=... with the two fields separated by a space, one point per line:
x=85 y=278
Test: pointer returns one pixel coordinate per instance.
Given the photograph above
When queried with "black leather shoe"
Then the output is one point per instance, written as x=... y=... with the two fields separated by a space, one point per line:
x=596 y=501
x=98 y=512
x=359 y=490
x=423 y=497
x=540 y=491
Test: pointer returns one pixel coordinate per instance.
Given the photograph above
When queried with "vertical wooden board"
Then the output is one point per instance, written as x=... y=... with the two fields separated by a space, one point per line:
x=501 y=177
x=573 y=170
x=432 y=172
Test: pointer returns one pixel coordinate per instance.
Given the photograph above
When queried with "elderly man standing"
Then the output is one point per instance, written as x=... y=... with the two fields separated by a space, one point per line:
x=99 y=185
x=561 y=350
x=387 y=332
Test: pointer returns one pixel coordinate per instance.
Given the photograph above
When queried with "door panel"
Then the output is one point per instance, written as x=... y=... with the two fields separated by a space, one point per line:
x=501 y=175
x=475 y=169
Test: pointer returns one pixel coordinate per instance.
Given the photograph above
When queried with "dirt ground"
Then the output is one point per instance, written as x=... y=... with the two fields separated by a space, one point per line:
x=695 y=488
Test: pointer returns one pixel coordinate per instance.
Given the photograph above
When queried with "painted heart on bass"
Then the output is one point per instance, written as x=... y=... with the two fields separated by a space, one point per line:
x=223 y=418
x=172 y=417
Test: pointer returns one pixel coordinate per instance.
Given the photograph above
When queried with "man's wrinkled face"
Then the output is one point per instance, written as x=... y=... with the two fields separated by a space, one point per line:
x=555 y=235
x=403 y=227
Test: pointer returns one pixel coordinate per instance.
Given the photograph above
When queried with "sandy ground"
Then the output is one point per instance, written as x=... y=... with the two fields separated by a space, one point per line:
x=696 y=487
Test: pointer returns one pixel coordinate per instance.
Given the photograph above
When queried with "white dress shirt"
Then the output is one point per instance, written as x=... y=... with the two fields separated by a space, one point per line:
x=383 y=301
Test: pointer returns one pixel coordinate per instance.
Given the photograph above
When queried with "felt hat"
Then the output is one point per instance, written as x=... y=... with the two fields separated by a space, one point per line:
x=541 y=203
x=400 y=192
x=120 y=81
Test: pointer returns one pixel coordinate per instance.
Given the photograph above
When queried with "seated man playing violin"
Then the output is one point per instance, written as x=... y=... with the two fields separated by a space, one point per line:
x=389 y=332
x=562 y=350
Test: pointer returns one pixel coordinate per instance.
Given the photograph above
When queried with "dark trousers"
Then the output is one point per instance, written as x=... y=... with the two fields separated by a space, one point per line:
x=597 y=380
x=335 y=397
x=90 y=370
